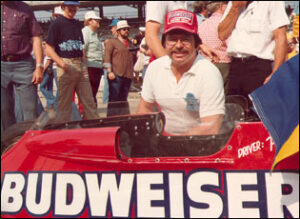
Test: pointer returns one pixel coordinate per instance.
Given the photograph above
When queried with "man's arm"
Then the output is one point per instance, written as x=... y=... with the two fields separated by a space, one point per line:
x=145 y=107
x=226 y=27
x=152 y=39
x=108 y=59
x=280 y=49
x=38 y=53
x=48 y=62
x=53 y=55
x=210 y=125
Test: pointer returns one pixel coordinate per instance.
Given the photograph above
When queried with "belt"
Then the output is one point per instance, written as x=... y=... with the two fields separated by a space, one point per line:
x=14 y=58
x=245 y=59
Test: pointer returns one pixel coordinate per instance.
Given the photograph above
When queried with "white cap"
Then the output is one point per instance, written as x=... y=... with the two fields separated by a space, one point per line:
x=58 y=10
x=122 y=24
x=91 y=15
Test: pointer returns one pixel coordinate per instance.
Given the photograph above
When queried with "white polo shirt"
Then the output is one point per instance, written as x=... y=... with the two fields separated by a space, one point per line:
x=253 y=33
x=203 y=83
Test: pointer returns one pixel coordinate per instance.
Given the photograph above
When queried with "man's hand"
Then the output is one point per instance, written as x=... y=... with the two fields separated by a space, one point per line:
x=111 y=76
x=38 y=76
x=210 y=52
x=268 y=78
x=64 y=65
x=226 y=27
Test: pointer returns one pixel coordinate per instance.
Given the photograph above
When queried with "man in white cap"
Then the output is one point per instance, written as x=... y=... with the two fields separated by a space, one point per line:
x=93 y=50
x=188 y=88
x=118 y=61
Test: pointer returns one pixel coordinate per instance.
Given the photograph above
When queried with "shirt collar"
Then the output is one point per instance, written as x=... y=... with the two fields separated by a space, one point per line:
x=251 y=6
x=193 y=70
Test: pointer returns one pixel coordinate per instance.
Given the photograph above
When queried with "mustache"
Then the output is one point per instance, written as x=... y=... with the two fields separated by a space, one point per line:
x=179 y=50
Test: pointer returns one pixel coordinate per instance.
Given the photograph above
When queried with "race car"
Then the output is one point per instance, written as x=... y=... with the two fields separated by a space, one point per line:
x=127 y=165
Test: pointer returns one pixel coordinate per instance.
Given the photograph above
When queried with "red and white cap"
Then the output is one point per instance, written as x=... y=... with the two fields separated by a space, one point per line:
x=181 y=19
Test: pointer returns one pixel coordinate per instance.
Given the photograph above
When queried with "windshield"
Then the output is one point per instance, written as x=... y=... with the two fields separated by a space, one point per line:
x=174 y=128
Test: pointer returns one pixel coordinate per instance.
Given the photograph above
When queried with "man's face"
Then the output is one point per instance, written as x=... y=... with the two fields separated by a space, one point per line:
x=180 y=46
x=95 y=23
x=124 y=32
x=70 y=10
x=205 y=12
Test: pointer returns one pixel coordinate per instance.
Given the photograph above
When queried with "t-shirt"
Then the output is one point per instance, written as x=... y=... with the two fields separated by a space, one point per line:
x=66 y=37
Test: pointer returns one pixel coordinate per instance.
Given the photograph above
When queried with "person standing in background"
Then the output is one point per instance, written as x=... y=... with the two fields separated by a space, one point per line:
x=118 y=62
x=20 y=34
x=256 y=36
x=46 y=87
x=208 y=32
x=200 y=9
x=93 y=50
x=113 y=27
x=64 y=46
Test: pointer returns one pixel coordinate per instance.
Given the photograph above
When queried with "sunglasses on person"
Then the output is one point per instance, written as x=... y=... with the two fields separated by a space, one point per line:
x=125 y=29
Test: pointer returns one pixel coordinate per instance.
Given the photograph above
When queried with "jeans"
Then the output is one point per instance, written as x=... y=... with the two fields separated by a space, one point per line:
x=105 y=89
x=118 y=92
x=17 y=76
x=46 y=87
x=18 y=112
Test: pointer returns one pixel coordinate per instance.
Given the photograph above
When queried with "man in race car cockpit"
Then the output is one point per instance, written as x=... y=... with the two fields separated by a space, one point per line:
x=187 y=87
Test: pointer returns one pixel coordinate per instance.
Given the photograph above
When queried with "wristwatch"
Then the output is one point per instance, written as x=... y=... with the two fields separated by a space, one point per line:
x=39 y=65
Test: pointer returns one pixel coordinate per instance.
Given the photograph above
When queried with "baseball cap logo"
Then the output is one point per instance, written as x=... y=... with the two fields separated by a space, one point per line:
x=180 y=17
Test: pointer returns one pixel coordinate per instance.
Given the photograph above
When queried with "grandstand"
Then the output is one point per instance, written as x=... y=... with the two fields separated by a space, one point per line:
x=135 y=16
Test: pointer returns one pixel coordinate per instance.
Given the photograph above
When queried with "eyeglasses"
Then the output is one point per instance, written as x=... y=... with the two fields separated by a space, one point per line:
x=173 y=42
x=125 y=29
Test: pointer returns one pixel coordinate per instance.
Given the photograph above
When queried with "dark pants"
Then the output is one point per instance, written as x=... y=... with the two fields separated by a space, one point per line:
x=245 y=76
x=118 y=92
x=95 y=75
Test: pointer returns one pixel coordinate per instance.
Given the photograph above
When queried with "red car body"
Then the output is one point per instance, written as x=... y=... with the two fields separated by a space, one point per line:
x=84 y=173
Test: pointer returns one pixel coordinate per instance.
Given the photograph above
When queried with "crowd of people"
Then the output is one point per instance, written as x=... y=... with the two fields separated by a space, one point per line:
x=219 y=48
